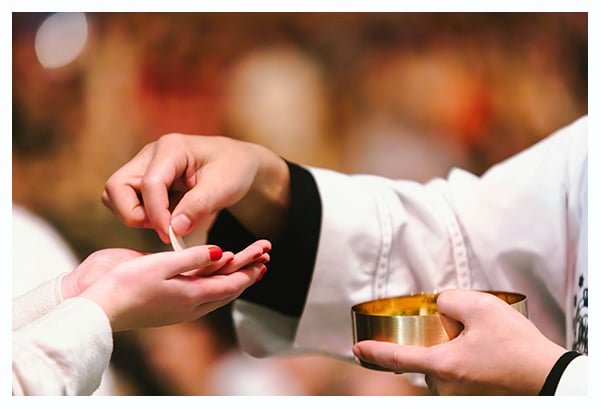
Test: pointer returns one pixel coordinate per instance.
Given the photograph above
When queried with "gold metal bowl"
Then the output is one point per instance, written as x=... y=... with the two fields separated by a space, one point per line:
x=410 y=319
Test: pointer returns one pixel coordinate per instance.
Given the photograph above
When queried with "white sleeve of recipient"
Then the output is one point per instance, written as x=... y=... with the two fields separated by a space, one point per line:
x=63 y=351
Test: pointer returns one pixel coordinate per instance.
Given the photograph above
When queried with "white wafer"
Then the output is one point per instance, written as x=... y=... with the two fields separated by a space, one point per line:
x=177 y=242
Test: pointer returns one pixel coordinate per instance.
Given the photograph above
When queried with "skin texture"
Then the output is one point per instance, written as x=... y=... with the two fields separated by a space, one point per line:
x=498 y=351
x=138 y=290
x=185 y=180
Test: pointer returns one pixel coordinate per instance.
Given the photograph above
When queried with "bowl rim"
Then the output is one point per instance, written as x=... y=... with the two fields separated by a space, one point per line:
x=427 y=299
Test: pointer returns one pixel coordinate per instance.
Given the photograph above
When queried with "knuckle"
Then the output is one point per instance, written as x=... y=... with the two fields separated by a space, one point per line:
x=200 y=259
x=149 y=181
x=484 y=302
x=397 y=360
x=170 y=138
x=110 y=183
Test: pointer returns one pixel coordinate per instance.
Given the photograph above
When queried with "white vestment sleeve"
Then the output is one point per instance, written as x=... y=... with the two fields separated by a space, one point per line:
x=574 y=380
x=512 y=229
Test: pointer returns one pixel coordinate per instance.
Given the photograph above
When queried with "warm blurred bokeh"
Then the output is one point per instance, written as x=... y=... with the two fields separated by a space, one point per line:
x=399 y=94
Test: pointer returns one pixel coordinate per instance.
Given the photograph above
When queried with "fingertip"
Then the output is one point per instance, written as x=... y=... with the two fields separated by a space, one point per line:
x=266 y=245
x=262 y=272
x=359 y=351
x=446 y=297
x=104 y=198
x=163 y=236
x=264 y=258
x=215 y=253
x=228 y=256
x=181 y=224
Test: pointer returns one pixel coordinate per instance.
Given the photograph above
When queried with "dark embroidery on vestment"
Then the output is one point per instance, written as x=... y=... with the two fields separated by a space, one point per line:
x=580 y=322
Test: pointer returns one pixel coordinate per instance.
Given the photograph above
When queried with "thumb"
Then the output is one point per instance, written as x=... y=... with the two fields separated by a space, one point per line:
x=452 y=327
x=459 y=308
x=218 y=186
x=183 y=224
x=455 y=303
x=196 y=210
x=450 y=309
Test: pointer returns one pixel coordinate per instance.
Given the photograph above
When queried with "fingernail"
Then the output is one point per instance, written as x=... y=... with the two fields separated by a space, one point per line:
x=181 y=224
x=263 y=270
x=215 y=253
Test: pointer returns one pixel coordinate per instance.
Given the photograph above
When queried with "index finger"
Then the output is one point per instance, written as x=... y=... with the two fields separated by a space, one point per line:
x=123 y=200
x=172 y=263
x=246 y=256
x=400 y=358
x=122 y=191
x=164 y=169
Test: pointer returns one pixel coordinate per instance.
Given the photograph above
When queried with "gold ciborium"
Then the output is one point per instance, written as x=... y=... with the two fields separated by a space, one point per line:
x=411 y=320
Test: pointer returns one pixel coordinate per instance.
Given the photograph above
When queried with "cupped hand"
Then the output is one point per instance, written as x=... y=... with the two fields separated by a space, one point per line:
x=498 y=352
x=138 y=290
x=93 y=267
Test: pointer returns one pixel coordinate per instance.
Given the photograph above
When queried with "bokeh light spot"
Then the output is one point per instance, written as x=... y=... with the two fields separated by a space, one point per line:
x=60 y=39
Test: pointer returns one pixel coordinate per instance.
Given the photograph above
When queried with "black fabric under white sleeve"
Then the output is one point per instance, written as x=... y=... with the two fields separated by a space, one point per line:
x=285 y=285
x=550 y=385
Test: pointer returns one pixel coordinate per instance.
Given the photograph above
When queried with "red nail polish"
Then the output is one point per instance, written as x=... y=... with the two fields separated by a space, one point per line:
x=263 y=270
x=215 y=253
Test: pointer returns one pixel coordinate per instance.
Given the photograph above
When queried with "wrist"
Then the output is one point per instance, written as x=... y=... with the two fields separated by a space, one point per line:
x=68 y=286
x=269 y=195
x=100 y=295
x=554 y=376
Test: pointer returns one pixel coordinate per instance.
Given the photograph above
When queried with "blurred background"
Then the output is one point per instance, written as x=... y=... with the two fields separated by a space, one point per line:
x=405 y=95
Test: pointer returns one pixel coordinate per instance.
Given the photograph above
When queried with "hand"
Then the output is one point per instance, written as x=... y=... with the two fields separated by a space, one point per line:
x=498 y=352
x=185 y=180
x=93 y=267
x=103 y=260
x=138 y=290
